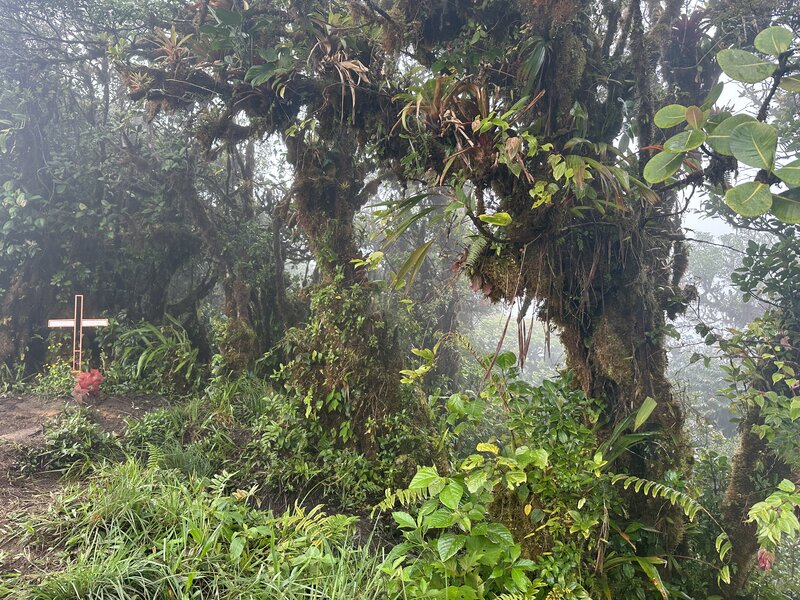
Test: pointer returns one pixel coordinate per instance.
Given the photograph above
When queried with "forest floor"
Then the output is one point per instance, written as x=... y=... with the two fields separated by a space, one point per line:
x=22 y=420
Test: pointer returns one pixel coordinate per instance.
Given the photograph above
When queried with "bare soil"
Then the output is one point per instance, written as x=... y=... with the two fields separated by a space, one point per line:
x=22 y=421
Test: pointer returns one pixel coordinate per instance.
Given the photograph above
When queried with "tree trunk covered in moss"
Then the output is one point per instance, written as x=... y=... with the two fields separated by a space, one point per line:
x=327 y=193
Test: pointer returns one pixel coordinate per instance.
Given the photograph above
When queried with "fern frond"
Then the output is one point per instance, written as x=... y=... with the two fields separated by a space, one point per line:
x=689 y=505
x=474 y=253
x=155 y=457
x=404 y=498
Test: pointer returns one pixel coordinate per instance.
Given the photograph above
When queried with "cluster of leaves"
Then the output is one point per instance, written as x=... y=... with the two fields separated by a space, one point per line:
x=288 y=455
x=729 y=138
x=72 y=442
x=153 y=358
x=523 y=513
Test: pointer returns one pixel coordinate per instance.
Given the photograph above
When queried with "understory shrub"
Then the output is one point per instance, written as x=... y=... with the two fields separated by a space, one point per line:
x=533 y=512
x=72 y=442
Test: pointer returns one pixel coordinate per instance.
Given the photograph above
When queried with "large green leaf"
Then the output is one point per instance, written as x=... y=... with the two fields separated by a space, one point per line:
x=404 y=520
x=790 y=174
x=685 y=141
x=786 y=206
x=755 y=144
x=749 y=199
x=451 y=495
x=662 y=166
x=424 y=477
x=449 y=544
x=791 y=83
x=744 y=66
x=501 y=219
x=670 y=116
x=720 y=138
x=773 y=40
x=713 y=96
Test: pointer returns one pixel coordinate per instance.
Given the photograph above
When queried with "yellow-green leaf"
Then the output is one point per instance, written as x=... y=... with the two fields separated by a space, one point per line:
x=720 y=138
x=685 y=141
x=484 y=447
x=786 y=206
x=662 y=166
x=744 y=66
x=501 y=219
x=791 y=83
x=644 y=412
x=790 y=174
x=755 y=144
x=773 y=40
x=670 y=116
x=749 y=199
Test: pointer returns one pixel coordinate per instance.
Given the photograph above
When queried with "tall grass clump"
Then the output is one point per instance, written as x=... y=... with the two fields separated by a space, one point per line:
x=138 y=531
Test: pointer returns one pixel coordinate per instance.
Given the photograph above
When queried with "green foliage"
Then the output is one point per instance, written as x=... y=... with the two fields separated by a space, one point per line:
x=775 y=516
x=750 y=141
x=57 y=380
x=521 y=513
x=287 y=455
x=151 y=533
x=158 y=358
x=72 y=442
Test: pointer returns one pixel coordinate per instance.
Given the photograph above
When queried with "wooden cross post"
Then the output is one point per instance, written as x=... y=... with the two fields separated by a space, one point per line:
x=77 y=323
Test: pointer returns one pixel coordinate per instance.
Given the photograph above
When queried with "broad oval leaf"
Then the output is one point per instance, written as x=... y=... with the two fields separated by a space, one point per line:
x=773 y=40
x=744 y=66
x=670 y=116
x=506 y=360
x=695 y=117
x=685 y=141
x=790 y=174
x=791 y=83
x=501 y=219
x=449 y=544
x=404 y=520
x=424 y=477
x=720 y=138
x=755 y=144
x=749 y=199
x=451 y=495
x=662 y=166
x=439 y=519
x=786 y=206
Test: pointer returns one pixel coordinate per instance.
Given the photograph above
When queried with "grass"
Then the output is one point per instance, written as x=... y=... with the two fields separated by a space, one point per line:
x=146 y=532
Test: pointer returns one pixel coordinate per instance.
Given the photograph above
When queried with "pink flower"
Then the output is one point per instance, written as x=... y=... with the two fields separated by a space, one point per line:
x=765 y=559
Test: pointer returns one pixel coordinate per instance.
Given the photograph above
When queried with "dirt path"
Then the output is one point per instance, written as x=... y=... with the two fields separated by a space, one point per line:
x=22 y=420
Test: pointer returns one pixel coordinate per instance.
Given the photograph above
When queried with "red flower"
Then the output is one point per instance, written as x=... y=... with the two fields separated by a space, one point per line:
x=765 y=559
x=88 y=383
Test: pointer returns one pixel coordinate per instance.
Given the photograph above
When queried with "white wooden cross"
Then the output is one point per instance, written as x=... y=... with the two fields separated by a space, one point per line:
x=77 y=323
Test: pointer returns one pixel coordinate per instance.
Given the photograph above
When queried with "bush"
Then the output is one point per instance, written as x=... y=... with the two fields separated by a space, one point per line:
x=72 y=442
x=150 y=358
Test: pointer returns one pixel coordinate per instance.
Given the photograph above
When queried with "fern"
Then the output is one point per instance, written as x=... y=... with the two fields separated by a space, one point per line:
x=690 y=508
x=155 y=457
x=403 y=497
x=689 y=505
x=474 y=253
